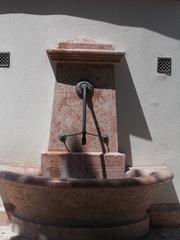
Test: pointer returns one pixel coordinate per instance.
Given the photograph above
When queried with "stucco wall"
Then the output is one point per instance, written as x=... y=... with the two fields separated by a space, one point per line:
x=148 y=103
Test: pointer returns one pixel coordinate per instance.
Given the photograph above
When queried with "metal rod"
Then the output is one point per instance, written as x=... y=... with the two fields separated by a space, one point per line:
x=84 y=89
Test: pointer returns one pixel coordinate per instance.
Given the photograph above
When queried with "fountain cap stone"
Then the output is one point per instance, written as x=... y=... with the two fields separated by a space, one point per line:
x=85 y=44
x=85 y=51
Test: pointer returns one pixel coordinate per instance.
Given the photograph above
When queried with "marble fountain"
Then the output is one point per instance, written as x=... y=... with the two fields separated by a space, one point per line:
x=82 y=190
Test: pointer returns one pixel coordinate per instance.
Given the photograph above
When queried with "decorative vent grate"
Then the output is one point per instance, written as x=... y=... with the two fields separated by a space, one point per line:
x=4 y=59
x=164 y=65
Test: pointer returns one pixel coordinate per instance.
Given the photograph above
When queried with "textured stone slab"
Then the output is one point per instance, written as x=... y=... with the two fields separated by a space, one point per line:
x=67 y=106
x=83 y=165
x=100 y=57
x=84 y=51
x=84 y=44
x=67 y=117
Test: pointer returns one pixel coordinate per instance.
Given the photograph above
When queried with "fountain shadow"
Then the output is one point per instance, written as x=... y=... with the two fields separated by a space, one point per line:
x=130 y=116
x=100 y=76
x=168 y=195
x=132 y=121
x=75 y=165
x=83 y=165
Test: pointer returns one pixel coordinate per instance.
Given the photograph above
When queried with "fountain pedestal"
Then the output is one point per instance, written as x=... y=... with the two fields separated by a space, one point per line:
x=83 y=165
x=74 y=61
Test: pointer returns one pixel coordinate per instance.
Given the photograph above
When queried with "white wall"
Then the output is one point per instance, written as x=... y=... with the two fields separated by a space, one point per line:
x=148 y=103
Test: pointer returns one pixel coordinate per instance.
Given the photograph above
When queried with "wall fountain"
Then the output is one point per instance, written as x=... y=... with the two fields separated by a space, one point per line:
x=83 y=190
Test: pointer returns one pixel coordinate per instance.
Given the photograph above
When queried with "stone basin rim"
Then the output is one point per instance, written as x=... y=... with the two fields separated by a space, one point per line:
x=129 y=180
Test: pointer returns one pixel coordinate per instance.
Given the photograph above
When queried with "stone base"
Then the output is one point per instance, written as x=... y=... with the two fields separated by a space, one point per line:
x=82 y=165
x=165 y=215
x=39 y=232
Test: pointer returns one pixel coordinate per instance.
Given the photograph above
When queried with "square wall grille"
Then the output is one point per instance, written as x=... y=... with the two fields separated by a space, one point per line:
x=4 y=59
x=164 y=65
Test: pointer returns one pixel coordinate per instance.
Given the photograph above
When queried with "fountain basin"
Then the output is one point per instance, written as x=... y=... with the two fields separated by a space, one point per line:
x=75 y=208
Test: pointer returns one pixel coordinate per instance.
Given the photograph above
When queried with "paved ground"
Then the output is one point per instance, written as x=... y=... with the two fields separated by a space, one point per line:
x=163 y=234
x=155 y=234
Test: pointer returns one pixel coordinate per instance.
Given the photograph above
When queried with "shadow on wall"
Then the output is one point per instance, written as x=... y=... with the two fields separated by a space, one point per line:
x=151 y=14
x=131 y=119
x=168 y=195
